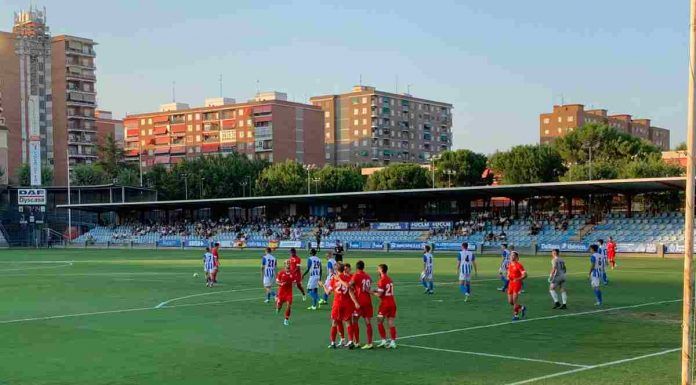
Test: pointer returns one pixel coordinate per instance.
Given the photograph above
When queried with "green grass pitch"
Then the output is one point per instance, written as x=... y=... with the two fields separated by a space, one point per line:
x=90 y=317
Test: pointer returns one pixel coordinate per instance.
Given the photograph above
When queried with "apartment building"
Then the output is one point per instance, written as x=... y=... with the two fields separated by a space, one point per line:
x=369 y=126
x=108 y=126
x=74 y=102
x=3 y=146
x=266 y=127
x=49 y=96
x=568 y=117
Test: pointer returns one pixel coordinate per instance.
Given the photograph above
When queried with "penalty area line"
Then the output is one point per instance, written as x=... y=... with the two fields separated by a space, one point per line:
x=618 y=362
x=496 y=356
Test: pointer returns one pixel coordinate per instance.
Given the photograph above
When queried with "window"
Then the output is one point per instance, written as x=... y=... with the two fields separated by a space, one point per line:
x=190 y=128
x=560 y=119
x=198 y=138
x=356 y=143
x=328 y=155
x=249 y=122
x=393 y=123
x=560 y=130
x=364 y=100
x=149 y=132
x=142 y=122
x=364 y=121
x=546 y=120
x=356 y=132
x=327 y=114
x=241 y=134
x=328 y=125
x=364 y=142
x=356 y=122
x=570 y=119
x=328 y=135
x=149 y=121
x=364 y=132
x=240 y=123
x=356 y=111
x=198 y=127
x=364 y=110
x=190 y=117
x=546 y=132
x=142 y=142
x=198 y=116
x=142 y=132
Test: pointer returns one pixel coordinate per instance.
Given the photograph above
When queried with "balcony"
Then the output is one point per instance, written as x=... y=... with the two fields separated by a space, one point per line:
x=80 y=76
x=264 y=145
x=81 y=127
x=211 y=127
x=89 y=52
x=77 y=139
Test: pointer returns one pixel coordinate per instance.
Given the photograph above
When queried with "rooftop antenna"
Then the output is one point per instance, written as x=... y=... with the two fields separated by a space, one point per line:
x=396 y=85
x=258 y=87
x=220 y=85
x=360 y=80
x=562 y=100
x=173 y=91
x=408 y=89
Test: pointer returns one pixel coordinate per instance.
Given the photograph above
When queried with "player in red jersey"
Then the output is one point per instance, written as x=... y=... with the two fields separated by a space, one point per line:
x=516 y=274
x=611 y=252
x=387 y=308
x=348 y=306
x=340 y=291
x=285 y=280
x=295 y=267
x=216 y=260
x=361 y=285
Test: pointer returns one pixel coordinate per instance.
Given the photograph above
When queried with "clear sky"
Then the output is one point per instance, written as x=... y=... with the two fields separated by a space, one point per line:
x=500 y=63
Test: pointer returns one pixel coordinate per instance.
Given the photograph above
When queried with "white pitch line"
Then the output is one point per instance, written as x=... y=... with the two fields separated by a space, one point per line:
x=562 y=315
x=54 y=266
x=162 y=304
x=496 y=356
x=618 y=362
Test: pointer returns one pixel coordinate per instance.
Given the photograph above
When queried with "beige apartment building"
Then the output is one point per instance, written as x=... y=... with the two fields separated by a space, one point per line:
x=368 y=126
x=568 y=117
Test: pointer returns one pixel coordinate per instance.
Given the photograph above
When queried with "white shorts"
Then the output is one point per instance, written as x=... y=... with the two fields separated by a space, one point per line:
x=313 y=282
x=594 y=281
x=464 y=277
x=427 y=275
x=268 y=281
x=214 y=269
x=327 y=282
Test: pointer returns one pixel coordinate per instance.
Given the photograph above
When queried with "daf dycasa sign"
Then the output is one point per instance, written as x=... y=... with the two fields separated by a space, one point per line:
x=31 y=197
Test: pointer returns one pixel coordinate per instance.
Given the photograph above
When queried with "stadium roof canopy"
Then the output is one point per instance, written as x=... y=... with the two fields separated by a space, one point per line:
x=521 y=191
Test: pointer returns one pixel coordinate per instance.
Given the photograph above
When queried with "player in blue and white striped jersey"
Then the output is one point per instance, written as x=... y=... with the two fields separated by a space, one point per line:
x=268 y=273
x=314 y=270
x=427 y=274
x=504 y=263
x=466 y=264
x=605 y=261
x=209 y=267
x=595 y=274
x=330 y=271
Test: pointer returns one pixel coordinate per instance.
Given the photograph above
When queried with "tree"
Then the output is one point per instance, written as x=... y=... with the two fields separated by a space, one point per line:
x=600 y=170
x=681 y=147
x=128 y=177
x=89 y=174
x=339 y=179
x=111 y=156
x=23 y=174
x=466 y=168
x=288 y=178
x=607 y=143
x=168 y=186
x=398 y=177
x=528 y=164
x=650 y=167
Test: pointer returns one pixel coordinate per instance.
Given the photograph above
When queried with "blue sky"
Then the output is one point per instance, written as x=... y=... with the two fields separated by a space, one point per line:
x=500 y=63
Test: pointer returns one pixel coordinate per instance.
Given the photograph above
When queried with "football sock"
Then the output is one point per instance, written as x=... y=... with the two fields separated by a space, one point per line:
x=598 y=294
x=382 y=331
x=315 y=297
x=424 y=283
x=431 y=285
x=392 y=333
x=326 y=297
x=369 y=333
x=554 y=295
x=356 y=332
x=468 y=288
x=287 y=313
x=299 y=286
x=341 y=332
x=505 y=282
x=268 y=296
x=462 y=288
x=333 y=334
x=516 y=309
x=564 y=297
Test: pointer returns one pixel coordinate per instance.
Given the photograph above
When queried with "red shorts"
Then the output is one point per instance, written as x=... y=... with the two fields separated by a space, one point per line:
x=340 y=313
x=611 y=257
x=284 y=298
x=297 y=277
x=348 y=310
x=216 y=263
x=365 y=310
x=386 y=310
x=514 y=287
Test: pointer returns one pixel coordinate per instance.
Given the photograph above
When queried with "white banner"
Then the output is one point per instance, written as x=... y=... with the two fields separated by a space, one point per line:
x=31 y=197
x=35 y=163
